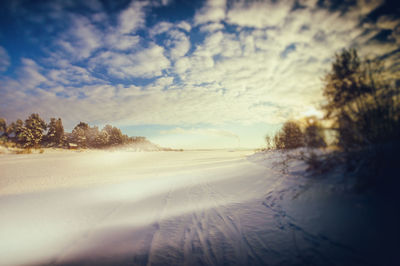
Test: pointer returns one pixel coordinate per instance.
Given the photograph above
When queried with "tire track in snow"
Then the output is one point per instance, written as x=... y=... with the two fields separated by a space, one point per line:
x=196 y=242
x=238 y=249
x=156 y=225
x=209 y=234
x=244 y=248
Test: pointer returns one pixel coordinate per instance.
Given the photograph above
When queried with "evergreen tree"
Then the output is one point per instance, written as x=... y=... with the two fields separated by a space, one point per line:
x=59 y=131
x=13 y=130
x=19 y=134
x=34 y=130
x=79 y=134
x=55 y=133
x=101 y=139
x=91 y=136
x=3 y=127
x=115 y=135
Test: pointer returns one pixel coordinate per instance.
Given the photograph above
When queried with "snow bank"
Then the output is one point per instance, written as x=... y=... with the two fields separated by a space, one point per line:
x=331 y=224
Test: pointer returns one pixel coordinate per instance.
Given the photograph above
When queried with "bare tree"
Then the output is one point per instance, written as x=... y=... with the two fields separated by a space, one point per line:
x=289 y=137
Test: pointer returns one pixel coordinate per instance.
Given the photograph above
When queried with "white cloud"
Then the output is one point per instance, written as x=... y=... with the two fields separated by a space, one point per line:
x=144 y=63
x=182 y=65
x=68 y=74
x=259 y=14
x=99 y=17
x=264 y=75
x=30 y=75
x=82 y=39
x=212 y=11
x=239 y=71
x=177 y=44
x=364 y=7
x=308 y=3
x=164 y=81
x=121 y=42
x=160 y=28
x=211 y=27
x=4 y=60
x=160 y=84
x=132 y=17
x=184 y=26
x=387 y=22
x=375 y=48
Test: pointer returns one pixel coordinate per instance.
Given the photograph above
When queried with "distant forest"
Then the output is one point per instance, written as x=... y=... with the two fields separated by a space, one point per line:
x=34 y=132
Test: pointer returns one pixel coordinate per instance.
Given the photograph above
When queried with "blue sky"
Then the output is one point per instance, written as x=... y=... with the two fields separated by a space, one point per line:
x=186 y=74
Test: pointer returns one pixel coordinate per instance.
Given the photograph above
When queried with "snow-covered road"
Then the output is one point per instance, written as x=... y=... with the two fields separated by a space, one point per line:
x=172 y=208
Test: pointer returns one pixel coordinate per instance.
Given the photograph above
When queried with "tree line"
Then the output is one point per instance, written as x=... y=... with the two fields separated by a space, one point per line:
x=34 y=132
x=362 y=113
x=361 y=106
x=296 y=134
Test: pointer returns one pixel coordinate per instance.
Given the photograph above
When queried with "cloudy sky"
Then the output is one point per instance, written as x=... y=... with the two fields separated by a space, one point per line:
x=185 y=74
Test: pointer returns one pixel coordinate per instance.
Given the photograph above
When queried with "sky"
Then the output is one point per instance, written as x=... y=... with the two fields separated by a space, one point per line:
x=185 y=74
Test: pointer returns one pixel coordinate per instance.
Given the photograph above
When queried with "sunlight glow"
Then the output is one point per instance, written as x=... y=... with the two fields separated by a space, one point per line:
x=312 y=111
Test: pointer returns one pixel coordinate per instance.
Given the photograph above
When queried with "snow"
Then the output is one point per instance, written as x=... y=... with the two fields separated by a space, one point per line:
x=181 y=208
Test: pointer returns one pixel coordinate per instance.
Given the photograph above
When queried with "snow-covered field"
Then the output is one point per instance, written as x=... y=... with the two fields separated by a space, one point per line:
x=183 y=208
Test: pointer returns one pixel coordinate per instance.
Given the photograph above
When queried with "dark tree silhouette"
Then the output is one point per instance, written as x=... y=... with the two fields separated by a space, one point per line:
x=289 y=137
x=55 y=133
x=3 y=127
x=361 y=101
x=314 y=136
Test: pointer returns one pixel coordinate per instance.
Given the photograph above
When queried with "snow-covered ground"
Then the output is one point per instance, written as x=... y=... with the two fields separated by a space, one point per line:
x=183 y=208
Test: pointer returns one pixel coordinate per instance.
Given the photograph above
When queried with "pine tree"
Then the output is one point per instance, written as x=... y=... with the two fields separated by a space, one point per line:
x=55 y=133
x=115 y=135
x=91 y=136
x=79 y=134
x=59 y=131
x=3 y=127
x=34 y=130
x=14 y=129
